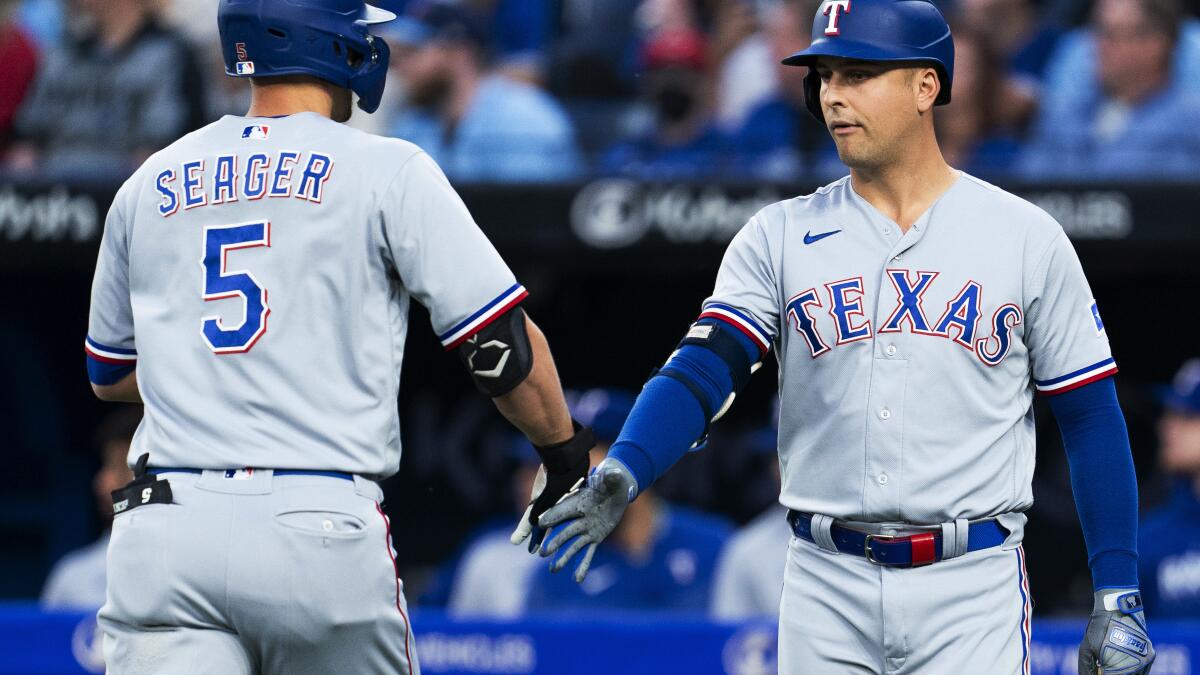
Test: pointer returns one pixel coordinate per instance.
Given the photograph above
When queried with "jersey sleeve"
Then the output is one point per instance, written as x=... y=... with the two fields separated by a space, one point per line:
x=110 y=348
x=745 y=293
x=1067 y=343
x=441 y=255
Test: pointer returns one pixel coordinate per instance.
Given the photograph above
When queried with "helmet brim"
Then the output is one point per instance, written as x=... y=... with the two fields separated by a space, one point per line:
x=373 y=15
x=865 y=51
x=849 y=49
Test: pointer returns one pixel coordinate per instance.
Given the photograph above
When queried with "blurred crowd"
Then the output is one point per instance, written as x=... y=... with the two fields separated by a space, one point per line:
x=561 y=90
x=665 y=556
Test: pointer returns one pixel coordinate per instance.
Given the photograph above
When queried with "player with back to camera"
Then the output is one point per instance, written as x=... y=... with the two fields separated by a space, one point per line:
x=252 y=289
x=914 y=311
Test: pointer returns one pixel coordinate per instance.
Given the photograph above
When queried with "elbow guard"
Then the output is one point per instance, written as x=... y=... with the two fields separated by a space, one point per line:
x=714 y=389
x=499 y=356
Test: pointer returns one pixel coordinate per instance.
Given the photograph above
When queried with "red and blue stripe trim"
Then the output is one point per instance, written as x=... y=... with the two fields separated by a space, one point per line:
x=740 y=320
x=465 y=329
x=117 y=356
x=1026 y=608
x=1074 y=380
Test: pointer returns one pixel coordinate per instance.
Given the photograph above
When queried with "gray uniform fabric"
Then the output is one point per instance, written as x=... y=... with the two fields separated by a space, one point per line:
x=492 y=580
x=77 y=581
x=908 y=365
x=885 y=423
x=842 y=614
x=256 y=573
x=316 y=388
x=749 y=575
x=258 y=273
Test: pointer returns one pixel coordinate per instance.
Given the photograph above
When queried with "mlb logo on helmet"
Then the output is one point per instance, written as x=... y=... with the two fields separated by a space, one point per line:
x=244 y=66
x=256 y=132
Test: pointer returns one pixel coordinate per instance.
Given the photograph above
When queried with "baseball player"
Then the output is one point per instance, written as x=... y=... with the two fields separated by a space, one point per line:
x=252 y=289
x=914 y=311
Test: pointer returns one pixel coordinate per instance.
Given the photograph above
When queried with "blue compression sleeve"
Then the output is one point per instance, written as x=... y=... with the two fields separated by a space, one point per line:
x=664 y=422
x=105 y=374
x=1102 y=479
x=668 y=417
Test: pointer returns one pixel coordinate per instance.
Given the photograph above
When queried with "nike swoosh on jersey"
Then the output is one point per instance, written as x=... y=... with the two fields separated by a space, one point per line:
x=810 y=238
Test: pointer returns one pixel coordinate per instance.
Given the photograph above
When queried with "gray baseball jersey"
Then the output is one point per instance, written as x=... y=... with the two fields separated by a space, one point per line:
x=258 y=272
x=909 y=360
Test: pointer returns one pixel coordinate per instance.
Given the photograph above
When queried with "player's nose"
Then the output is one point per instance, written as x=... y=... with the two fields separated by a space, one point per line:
x=832 y=93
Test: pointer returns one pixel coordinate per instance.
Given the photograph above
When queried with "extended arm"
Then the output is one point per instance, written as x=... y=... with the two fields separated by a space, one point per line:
x=1105 y=489
x=510 y=362
x=536 y=405
x=670 y=415
x=1102 y=480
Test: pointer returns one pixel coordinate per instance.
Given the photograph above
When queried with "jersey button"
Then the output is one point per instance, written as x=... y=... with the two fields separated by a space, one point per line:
x=885 y=414
x=887 y=230
x=882 y=478
x=890 y=350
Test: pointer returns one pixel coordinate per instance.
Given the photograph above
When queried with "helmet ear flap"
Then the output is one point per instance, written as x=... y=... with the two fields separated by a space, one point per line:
x=812 y=94
x=370 y=74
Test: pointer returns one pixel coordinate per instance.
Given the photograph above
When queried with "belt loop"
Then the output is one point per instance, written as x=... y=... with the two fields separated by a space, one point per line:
x=954 y=538
x=821 y=532
x=365 y=487
x=962 y=530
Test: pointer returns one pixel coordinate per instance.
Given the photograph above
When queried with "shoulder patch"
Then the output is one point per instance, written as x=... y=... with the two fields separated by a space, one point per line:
x=1096 y=317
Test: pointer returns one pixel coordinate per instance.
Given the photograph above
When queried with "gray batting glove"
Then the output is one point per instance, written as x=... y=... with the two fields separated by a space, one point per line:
x=564 y=465
x=587 y=514
x=1116 y=641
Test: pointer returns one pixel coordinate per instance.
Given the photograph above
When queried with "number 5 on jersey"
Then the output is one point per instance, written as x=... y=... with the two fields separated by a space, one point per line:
x=220 y=283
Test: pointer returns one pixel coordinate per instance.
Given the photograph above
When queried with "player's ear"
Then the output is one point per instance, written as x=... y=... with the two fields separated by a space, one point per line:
x=926 y=86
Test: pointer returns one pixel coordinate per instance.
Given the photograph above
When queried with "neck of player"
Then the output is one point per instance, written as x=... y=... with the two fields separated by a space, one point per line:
x=903 y=189
x=278 y=96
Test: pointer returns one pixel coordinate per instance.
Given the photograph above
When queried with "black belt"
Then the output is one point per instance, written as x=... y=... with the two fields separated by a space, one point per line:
x=898 y=551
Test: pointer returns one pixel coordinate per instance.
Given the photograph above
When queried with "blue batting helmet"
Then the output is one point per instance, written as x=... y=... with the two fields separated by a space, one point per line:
x=877 y=30
x=327 y=39
x=1183 y=396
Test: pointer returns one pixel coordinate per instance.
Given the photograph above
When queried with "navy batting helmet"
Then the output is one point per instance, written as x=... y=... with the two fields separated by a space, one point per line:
x=877 y=30
x=327 y=39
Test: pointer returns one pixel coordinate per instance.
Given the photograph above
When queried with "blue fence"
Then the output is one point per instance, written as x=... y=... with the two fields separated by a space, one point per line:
x=36 y=643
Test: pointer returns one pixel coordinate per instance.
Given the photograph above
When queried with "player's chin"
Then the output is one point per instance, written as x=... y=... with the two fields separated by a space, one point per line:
x=852 y=157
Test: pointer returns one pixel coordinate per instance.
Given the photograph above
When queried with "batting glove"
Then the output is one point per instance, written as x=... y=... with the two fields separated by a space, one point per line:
x=587 y=515
x=563 y=466
x=1116 y=641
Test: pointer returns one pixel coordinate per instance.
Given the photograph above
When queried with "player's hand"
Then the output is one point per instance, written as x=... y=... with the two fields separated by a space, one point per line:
x=587 y=515
x=568 y=462
x=1116 y=641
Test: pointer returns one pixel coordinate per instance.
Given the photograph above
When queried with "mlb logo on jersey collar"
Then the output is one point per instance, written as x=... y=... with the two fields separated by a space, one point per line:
x=239 y=474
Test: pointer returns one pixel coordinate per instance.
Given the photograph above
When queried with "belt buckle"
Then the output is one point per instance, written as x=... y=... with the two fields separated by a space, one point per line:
x=867 y=547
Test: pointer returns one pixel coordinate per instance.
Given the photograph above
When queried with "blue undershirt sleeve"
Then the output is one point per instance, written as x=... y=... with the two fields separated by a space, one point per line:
x=1102 y=479
x=104 y=374
x=669 y=416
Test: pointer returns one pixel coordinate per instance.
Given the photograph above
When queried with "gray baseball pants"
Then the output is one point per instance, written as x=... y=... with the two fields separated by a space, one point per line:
x=256 y=574
x=840 y=614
